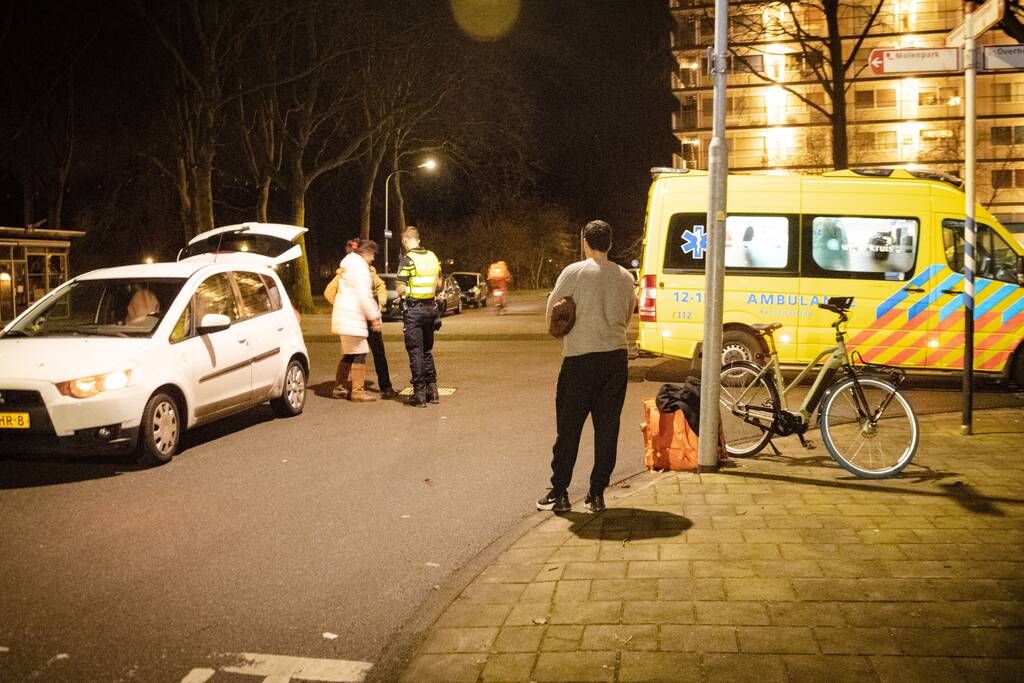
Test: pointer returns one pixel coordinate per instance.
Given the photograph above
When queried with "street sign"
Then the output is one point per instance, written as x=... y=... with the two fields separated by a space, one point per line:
x=1002 y=57
x=914 y=60
x=984 y=18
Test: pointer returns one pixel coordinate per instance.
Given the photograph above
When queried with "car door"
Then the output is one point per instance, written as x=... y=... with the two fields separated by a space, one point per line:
x=262 y=327
x=221 y=362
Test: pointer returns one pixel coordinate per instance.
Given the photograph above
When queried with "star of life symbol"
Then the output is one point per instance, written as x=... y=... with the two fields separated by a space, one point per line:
x=695 y=241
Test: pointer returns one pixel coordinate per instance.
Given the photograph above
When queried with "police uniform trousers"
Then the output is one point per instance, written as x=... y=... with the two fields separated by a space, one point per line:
x=418 y=321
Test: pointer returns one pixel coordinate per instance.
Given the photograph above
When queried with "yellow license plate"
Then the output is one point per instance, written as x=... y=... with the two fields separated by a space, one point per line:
x=14 y=421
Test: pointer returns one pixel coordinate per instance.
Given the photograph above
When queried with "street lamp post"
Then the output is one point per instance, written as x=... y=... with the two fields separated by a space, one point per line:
x=430 y=165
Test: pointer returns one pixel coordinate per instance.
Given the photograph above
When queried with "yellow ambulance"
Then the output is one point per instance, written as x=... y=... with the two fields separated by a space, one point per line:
x=891 y=238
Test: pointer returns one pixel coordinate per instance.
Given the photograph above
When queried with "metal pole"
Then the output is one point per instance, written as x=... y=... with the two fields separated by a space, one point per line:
x=386 y=230
x=970 y=229
x=714 y=286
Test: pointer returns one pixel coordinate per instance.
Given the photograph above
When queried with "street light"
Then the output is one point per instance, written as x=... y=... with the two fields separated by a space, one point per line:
x=430 y=164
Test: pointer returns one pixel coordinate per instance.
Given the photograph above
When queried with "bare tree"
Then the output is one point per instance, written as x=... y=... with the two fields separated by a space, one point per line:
x=824 y=36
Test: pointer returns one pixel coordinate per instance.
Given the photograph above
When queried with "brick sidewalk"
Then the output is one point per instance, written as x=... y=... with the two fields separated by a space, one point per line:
x=773 y=569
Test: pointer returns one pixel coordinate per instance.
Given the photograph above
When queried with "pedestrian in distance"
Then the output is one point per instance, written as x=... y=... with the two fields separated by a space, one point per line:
x=592 y=379
x=498 y=277
x=354 y=315
x=419 y=276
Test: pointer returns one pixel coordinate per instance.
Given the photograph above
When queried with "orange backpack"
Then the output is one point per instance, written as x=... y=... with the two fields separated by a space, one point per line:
x=669 y=443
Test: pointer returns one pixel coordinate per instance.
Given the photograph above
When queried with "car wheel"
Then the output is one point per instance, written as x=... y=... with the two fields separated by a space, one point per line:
x=458 y=309
x=293 y=395
x=160 y=430
x=740 y=345
x=483 y=302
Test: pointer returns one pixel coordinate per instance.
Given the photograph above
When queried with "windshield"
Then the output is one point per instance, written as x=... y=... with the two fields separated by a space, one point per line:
x=121 y=307
x=467 y=281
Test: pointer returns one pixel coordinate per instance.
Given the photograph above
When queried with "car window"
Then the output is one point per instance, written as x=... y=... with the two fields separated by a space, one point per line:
x=762 y=243
x=996 y=260
x=254 y=297
x=273 y=291
x=182 y=328
x=214 y=295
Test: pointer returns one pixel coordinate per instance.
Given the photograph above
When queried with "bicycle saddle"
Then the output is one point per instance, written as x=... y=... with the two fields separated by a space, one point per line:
x=837 y=304
x=765 y=328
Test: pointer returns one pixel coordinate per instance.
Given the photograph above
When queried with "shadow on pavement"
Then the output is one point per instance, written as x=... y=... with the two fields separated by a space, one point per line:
x=323 y=390
x=958 y=491
x=21 y=472
x=626 y=524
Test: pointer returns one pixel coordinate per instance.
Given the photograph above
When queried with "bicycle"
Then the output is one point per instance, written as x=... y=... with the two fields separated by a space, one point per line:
x=867 y=425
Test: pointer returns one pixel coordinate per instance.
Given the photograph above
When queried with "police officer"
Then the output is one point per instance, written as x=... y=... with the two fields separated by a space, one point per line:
x=419 y=275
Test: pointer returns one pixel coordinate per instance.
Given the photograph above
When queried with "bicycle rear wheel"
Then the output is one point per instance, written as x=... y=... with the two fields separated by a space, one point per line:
x=749 y=403
x=868 y=448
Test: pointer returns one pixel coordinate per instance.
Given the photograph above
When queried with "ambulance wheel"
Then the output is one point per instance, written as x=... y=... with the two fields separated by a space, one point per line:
x=1017 y=372
x=740 y=345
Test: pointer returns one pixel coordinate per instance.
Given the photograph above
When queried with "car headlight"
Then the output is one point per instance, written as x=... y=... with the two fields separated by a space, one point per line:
x=84 y=387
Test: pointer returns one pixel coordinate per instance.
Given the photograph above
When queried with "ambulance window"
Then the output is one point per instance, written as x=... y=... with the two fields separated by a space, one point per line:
x=996 y=260
x=753 y=243
x=866 y=247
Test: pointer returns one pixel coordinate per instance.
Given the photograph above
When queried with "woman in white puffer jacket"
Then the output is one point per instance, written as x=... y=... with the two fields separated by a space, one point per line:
x=354 y=307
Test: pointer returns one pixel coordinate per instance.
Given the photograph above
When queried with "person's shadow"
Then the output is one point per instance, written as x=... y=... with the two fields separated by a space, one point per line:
x=626 y=524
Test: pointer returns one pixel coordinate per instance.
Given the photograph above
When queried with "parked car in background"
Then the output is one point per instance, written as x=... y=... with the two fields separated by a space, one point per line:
x=449 y=296
x=391 y=309
x=131 y=357
x=474 y=288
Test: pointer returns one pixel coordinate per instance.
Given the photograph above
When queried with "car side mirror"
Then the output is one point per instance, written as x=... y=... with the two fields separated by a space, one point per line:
x=213 y=322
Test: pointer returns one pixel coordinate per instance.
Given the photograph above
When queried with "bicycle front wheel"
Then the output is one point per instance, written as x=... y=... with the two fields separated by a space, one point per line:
x=869 y=447
x=749 y=402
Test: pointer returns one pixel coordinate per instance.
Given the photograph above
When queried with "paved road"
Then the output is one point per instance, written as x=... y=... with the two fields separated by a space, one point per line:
x=317 y=537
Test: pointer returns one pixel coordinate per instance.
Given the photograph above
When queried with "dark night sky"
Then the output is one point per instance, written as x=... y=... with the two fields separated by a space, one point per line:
x=597 y=70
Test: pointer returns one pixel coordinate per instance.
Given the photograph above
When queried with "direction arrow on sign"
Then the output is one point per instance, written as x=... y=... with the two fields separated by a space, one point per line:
x=914 y=60
x=1002 y=57
x=984 y=18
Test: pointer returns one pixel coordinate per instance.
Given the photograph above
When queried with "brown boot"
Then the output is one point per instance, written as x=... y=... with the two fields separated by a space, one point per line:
x=342 y=385
x=358 y=393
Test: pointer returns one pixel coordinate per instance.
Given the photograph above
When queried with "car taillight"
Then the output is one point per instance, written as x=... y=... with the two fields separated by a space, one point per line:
x=649 y=298
x=298 y=316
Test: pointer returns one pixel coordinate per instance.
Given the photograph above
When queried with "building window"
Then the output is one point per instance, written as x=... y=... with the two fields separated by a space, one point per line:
x=876 y=141
x=1005 y=179
x=1007 y=135
x=875 y=99
x=935 y=137
x=748 y=64
x=1008 y=92
x=937 y=97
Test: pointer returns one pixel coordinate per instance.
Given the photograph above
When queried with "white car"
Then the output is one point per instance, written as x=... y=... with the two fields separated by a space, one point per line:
x=132 y=356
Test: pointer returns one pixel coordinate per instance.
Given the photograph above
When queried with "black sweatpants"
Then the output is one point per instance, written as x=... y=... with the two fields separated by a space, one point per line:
x=380 y=361
x=593 y=384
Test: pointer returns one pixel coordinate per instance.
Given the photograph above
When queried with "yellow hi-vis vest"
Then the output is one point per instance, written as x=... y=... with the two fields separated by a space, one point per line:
x=423 y=274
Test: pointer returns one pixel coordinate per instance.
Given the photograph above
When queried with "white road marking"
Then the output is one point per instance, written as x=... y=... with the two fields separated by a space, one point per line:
x=198 y=676
x=280 y=668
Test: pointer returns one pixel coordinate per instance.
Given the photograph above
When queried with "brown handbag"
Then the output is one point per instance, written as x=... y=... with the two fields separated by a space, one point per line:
x=563 y=317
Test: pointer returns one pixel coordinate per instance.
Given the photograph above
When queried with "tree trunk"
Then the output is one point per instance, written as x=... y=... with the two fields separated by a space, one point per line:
x=264 y=201
x=302 y=293
x=203 y=213
x=840 y=151
x=400 y=203
x=366 y=203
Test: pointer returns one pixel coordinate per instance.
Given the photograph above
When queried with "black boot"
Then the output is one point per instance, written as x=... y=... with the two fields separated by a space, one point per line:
x=432 y=395
x=418 y=398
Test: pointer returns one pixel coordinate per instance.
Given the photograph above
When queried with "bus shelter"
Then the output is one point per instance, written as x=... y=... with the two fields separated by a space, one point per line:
x=32 y=262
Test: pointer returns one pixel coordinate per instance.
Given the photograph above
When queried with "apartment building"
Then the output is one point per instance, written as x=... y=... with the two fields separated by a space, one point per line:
x=777 y=83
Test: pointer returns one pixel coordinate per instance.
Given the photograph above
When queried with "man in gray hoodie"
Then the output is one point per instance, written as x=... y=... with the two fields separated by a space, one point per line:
x=592 y=380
